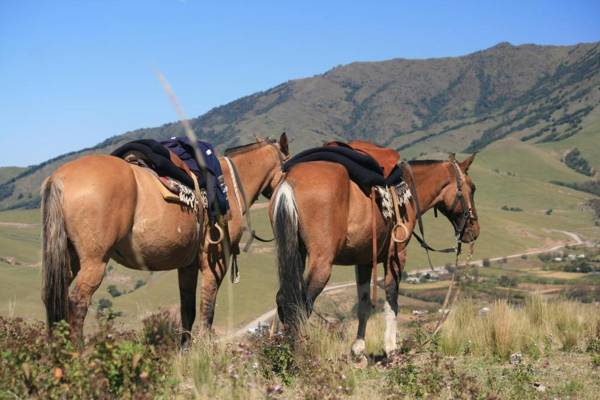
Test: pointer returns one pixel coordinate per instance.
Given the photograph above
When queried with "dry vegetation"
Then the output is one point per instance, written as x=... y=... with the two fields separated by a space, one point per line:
x=542 y=349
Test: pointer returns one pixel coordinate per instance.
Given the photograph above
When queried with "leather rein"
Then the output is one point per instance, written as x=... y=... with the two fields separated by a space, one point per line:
x=245 y=208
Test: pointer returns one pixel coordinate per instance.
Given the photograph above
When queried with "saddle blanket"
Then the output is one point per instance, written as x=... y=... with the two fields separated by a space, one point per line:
x=363 y=169
x=157 y=156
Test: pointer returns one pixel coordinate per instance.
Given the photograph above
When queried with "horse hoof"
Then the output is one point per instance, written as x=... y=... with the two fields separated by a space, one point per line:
x=360 y=362
x=358 y=347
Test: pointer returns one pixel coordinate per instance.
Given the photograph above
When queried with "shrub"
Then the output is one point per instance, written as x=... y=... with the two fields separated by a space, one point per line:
x=507 y=281
x=104 y=304
x=114 y=365
x=113 y=290
x=486 y=262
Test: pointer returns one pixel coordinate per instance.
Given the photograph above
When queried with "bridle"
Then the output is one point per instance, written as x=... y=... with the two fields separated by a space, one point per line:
x=239 y=192
x=459 y=228
x=467 y=213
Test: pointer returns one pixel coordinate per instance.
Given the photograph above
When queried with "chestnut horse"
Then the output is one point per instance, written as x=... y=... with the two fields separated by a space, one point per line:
x=318 y=211
x=100 y=207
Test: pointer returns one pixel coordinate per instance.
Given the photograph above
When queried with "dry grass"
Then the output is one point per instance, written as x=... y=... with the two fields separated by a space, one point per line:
x=538 y=327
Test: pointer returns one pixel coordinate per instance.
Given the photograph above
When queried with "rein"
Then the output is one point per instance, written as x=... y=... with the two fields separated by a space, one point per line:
x=244 y=208
x=239 y=192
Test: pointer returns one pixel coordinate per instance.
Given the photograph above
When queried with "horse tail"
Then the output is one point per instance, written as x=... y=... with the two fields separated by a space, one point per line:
x=291 y=296
x=55 y=253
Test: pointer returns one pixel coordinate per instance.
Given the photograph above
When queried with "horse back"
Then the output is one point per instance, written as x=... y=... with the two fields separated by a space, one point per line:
x=335 y=215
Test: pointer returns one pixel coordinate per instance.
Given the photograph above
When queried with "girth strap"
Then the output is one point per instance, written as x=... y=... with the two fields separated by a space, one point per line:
x=374 y=247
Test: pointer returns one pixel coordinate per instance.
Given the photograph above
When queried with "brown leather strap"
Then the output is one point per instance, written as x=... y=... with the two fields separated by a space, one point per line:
x=374 y=247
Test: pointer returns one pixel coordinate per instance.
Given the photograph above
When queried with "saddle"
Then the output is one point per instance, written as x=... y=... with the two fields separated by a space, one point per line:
x=175 y=180
x=177 y=169
x=386 y=158
x=368 y=165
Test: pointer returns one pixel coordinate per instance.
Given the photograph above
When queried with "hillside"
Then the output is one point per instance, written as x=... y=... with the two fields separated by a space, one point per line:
x=546 y=96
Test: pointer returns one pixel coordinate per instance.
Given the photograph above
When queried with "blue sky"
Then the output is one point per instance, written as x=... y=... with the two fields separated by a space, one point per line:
x=73 y=73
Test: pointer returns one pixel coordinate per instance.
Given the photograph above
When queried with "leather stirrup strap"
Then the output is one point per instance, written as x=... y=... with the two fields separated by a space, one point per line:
x=374 y=248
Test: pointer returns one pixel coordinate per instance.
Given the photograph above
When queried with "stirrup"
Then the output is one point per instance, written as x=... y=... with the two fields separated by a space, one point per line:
x=221 y=235
x=405 y=232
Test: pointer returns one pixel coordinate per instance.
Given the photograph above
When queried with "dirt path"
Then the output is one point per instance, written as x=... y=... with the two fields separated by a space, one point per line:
x=19 y=225
x=269 y=315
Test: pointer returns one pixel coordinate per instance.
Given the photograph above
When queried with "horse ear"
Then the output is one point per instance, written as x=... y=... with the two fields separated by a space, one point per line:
x=284 y=144
x=466 y=163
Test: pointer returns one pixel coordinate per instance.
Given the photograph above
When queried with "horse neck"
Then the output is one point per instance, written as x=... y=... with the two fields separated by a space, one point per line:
x=430 y=181
x=255 y=169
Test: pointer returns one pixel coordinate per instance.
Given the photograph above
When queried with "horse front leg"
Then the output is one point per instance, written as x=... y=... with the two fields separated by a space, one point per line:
x=188 y=282
x=363 y=288
x=88 y=280
x=213 y=267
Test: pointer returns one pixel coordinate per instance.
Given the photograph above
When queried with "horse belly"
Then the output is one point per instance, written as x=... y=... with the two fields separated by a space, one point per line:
x=357 y=248
x=163 y=236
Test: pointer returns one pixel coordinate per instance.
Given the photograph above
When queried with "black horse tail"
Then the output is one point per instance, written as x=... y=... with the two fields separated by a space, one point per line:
x=291 y=297
x=56 y=268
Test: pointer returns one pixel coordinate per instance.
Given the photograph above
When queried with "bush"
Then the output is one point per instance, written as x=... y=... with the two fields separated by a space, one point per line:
x=509 y=282
x=576 y=162
x=104 y=304
x=113 y=290
x=114 y=365
x=578 y=265
x=486 y=262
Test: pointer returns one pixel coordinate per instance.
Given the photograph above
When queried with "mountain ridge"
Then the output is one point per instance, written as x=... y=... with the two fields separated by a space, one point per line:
x=538 y=94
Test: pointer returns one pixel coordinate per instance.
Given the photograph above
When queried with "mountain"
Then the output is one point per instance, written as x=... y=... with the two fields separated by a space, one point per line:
x=546 y=96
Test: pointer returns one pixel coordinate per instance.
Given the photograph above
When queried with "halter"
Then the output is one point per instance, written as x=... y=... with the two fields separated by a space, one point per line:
x=459 y=229
x=467 y=209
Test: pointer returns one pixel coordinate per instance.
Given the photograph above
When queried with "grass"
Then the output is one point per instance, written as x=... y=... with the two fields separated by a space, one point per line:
x=536 y=328
x=559 y=342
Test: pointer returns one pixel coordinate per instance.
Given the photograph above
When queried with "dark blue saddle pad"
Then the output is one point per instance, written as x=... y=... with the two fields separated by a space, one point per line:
x=216 y=188
x=363 y=169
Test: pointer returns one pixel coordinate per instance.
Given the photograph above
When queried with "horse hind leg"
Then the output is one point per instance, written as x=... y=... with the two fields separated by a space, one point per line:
x=319 y=272
x=214 y=268
x=87 y=282
x=363 y=277
x=188 y=281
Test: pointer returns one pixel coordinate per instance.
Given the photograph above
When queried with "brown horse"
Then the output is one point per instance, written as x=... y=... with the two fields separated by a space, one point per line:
x=100 y=207
x=318 y=211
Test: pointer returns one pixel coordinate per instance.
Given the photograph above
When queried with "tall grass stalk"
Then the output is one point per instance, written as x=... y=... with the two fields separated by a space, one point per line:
x=506 y=328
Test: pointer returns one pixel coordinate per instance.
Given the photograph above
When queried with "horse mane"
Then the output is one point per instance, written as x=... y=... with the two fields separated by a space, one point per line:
x=426 y=162
x=247 y=147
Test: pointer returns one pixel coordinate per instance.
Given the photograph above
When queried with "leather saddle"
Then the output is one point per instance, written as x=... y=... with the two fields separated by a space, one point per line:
x=368 y=165
x=386 y=158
